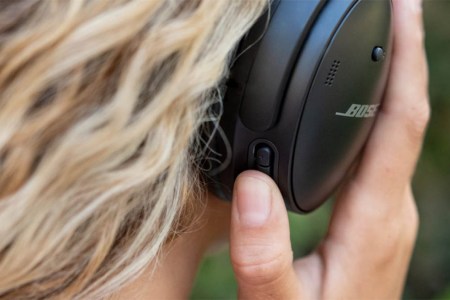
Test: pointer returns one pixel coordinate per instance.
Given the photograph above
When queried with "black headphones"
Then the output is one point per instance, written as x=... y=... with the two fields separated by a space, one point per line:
x=302 y=96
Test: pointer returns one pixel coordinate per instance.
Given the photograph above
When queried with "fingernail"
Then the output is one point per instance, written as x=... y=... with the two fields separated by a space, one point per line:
x=253 y=198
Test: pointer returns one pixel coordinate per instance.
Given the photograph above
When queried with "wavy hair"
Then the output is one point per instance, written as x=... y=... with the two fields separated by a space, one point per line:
x=101 y=102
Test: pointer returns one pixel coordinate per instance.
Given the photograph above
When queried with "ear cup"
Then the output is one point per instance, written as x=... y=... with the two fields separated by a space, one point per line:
x=328 y=140
x=287 y=97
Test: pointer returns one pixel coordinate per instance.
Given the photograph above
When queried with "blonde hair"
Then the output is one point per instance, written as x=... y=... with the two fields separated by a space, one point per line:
x=100 y=107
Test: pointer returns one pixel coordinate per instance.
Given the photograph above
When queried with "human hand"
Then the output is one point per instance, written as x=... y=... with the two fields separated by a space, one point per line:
x=373 y=229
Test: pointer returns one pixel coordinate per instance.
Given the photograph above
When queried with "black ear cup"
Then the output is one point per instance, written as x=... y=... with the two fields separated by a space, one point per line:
x=301 y=101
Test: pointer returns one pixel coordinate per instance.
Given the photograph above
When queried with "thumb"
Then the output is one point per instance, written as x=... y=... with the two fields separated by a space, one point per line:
x=260 y=250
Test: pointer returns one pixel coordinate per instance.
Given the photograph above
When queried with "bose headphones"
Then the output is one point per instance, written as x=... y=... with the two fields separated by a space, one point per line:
x=302 y=96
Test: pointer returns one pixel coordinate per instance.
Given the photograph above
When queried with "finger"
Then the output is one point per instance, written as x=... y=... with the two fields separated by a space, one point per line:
x=260 y=244
x=393 y=149
x=375 y=219
x=390 y=156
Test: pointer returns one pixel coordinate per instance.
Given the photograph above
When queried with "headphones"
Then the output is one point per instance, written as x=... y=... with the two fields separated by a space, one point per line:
x=302 y=96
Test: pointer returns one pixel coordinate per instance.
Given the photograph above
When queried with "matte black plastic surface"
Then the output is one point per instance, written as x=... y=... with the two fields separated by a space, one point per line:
x=274 y=62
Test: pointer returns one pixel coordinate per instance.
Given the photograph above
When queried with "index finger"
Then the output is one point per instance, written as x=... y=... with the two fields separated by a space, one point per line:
x=379 y=193
x=374 y=223
x=392 y=151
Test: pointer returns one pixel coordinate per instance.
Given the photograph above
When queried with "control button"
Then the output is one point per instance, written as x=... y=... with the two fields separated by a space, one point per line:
x=265 y=170
x=378 y=54
x=264 y=160
x=264 y=157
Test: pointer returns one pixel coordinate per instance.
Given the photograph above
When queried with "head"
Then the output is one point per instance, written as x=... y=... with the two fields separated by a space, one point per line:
x=101 y=108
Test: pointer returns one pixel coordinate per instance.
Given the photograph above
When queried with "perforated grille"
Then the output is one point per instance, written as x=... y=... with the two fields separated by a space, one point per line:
x=332 y=74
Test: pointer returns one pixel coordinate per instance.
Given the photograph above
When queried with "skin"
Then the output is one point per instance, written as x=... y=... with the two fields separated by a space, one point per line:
x=371 y=236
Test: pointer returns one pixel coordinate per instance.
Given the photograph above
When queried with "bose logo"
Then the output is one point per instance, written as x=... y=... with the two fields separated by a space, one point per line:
x=360 y=111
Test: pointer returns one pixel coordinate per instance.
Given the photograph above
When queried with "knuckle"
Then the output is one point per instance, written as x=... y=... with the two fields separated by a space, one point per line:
x=401 y=236
x=261 y=270
x=420 y=31
x=417 y=118
x=418 y=35
x=411 y=221
x=410 y=235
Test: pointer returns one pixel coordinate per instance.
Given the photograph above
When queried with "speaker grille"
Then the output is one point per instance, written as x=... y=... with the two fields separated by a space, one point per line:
x=332 y=74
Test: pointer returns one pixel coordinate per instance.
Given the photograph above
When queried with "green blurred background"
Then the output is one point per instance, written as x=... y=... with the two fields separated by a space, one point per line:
x=429 y=275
